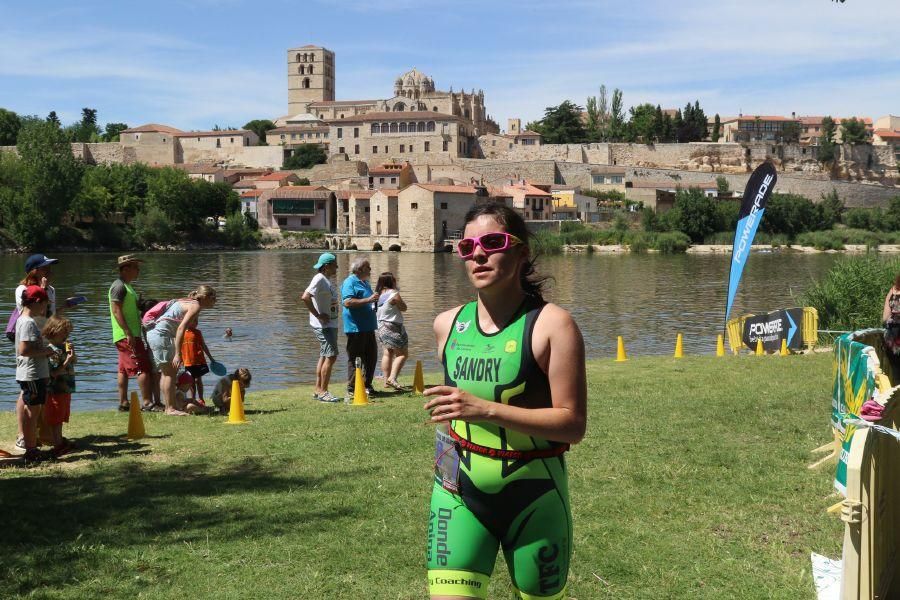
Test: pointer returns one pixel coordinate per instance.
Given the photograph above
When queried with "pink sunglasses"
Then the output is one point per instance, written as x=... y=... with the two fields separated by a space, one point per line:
x=497 y=241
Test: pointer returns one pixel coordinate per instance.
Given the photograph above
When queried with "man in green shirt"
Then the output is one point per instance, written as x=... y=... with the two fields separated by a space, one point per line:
x=126 y=330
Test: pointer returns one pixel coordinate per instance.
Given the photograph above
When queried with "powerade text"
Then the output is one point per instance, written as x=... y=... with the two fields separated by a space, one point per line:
x=740 y=253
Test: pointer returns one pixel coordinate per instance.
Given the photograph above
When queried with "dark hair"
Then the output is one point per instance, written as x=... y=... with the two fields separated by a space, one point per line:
x=386 y=280
x=145 y=305
x=512 y=222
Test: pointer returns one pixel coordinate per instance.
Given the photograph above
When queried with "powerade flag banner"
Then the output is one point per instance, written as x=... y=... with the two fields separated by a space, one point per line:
x=756 y=194
x=771 y=328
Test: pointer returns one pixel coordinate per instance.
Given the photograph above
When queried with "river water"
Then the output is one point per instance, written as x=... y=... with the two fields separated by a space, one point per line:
x=646 y=299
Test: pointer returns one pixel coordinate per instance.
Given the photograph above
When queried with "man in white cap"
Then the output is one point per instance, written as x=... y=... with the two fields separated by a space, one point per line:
x=321 y=300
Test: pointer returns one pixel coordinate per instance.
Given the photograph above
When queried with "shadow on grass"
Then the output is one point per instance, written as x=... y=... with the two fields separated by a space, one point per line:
x=129 y=507
x=263 y=411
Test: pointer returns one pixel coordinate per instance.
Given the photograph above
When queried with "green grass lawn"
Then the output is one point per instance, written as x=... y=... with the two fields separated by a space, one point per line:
x=690 y=483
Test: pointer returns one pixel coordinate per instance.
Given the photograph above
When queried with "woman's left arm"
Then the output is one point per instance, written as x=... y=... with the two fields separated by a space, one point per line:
x=559 y=350
x=189 y=314
x=397 y=301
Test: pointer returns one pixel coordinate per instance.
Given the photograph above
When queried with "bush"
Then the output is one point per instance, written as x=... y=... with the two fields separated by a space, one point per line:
x=672 y=242
x=792 y=214
x=851 y=295
x=306 y=156
x=821 y=240
x=546 y=242
x=859 y=218
x=153 y=227
x=694 y=214
x=239 y=232
x=640 y=241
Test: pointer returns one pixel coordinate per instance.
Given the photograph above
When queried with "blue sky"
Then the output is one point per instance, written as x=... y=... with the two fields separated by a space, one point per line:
x=196 y=63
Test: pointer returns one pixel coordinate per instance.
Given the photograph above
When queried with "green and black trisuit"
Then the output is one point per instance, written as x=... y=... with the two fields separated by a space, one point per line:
x=493 y=486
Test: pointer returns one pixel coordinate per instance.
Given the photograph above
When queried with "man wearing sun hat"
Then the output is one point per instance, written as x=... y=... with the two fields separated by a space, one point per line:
x=321 y=300
x=126 y=329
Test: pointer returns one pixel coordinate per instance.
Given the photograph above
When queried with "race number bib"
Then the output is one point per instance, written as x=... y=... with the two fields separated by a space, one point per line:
x=446 y=460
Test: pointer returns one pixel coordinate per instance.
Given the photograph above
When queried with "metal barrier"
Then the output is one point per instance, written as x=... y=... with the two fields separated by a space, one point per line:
x=808 y=330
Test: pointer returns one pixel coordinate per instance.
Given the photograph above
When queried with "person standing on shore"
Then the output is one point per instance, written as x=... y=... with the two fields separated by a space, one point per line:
x=514 y=398
x=134 y=361
x=321 y=300
x=391 y=332
x=360 y=323
x=891 y=323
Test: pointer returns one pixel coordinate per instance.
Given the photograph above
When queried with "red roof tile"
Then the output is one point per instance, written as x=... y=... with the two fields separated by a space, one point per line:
x=276 y=176
x=887 y=133
x=447 y=189
x=224 y=132
x=295 y=191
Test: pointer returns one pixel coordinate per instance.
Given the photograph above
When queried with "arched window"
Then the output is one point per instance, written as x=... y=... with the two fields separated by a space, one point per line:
x=310 y=69
x=312 y=57
x=298 y=57
x=376 y=128
x=420 y=126
x=385 y=128
x=399 y=107
x=306 y=82
x=393 y=128
x=402 y=127
x=468 y=114
x=301 y=69
x=430 y=126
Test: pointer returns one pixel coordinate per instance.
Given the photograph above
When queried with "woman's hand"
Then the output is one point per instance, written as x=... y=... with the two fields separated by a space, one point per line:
x=176 y=361
x=451 y=403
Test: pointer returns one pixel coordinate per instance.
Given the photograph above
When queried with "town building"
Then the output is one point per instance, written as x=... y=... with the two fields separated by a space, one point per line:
x=811 y=129
x=754 y=128
x=298 y=131
x=532 y=202
x=608 y=178
x=660 y=195
x=887 y=133
x=390 y=175
x=297 y=208
x=208 y=173
x=569 y=203
x=310 y=77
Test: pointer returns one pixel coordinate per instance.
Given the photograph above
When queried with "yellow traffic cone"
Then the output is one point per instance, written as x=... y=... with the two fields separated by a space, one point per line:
x=759 y=347
x=620 y=350
x=359 y=389
x=720 y=345
x=236 y=407
x=784 y=348
x=135 y=419
x=418 y=379
x=679 y=346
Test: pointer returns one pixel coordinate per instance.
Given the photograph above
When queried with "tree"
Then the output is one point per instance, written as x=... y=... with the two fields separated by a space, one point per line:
x=695 y=214
x=831 y=208
x=722 y=184
x=10 y=123
x=260 y=127
x=717 y=129
x=854 y=131
x=562 y=124
x=692 y=127
x=790 y=133
x=112 y=131
x=52 y=118
x=593 y=119
x=616 y=130
x=50 y=180
x=603 y=109
x=641 y=125
x=826 y=140
x=306 y=156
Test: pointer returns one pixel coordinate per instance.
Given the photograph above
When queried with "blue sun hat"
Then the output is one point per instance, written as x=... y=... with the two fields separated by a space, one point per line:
x=324 y=259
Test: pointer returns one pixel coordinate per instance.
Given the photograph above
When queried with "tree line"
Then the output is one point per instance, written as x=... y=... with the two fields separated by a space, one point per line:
x=48 y=197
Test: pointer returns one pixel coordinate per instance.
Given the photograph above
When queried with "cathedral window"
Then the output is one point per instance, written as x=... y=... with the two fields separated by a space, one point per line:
x=421 y=126
x=434 y=108
x=427 y=146
x=376 y=128
x=385 y=128
x=306 y=83
x=301 y=69
x=412 y=127
x=310 y=69
x=298 y=57
x=402 y=127
x=430 y=126
x=393 y=128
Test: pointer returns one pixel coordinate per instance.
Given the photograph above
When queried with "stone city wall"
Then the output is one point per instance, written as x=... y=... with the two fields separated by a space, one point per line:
x=543 y=171
x=247 y=156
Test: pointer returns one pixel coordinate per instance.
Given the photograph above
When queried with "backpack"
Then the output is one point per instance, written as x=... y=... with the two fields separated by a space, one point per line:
x=156 y=311
x=11 y=325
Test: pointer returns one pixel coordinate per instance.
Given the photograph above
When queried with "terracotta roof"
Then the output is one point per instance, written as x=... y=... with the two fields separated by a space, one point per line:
x=389 y=192
x=388 y=169
x=309 y=188
x=608 y=170
x=153 y=127
x=299 y=129
x=497 y=192
x=416 y=115
x=244 y=183
x=276 y=176
x=199 y=169
x=528 y=132
x=246 y=171
x=297 y=192
x=447 y=189
x=224 y=132
x=252 y=193
x=887 y=133
x=529 y=189
x=761 y=118
x=342 y=102
x=361 y=194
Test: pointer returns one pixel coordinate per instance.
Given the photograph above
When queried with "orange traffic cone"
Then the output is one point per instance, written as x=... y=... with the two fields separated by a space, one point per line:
x=135 y=419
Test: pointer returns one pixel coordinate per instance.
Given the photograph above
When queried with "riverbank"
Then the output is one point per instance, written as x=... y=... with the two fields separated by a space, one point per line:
x=727 y=249
x=689 y=483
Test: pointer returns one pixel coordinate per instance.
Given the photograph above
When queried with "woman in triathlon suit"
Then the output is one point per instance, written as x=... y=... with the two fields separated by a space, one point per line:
x=514 y=398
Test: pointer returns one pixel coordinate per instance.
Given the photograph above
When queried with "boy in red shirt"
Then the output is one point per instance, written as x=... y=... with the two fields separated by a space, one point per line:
x=193 y=348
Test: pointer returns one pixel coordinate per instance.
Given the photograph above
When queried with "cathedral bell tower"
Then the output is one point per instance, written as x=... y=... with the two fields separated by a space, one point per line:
x=310 y=77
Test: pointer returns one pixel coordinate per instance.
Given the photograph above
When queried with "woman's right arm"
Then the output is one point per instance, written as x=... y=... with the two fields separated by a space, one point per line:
x=397 y=301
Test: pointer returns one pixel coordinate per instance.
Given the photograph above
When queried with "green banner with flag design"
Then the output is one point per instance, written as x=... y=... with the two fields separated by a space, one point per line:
x=854 y=383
